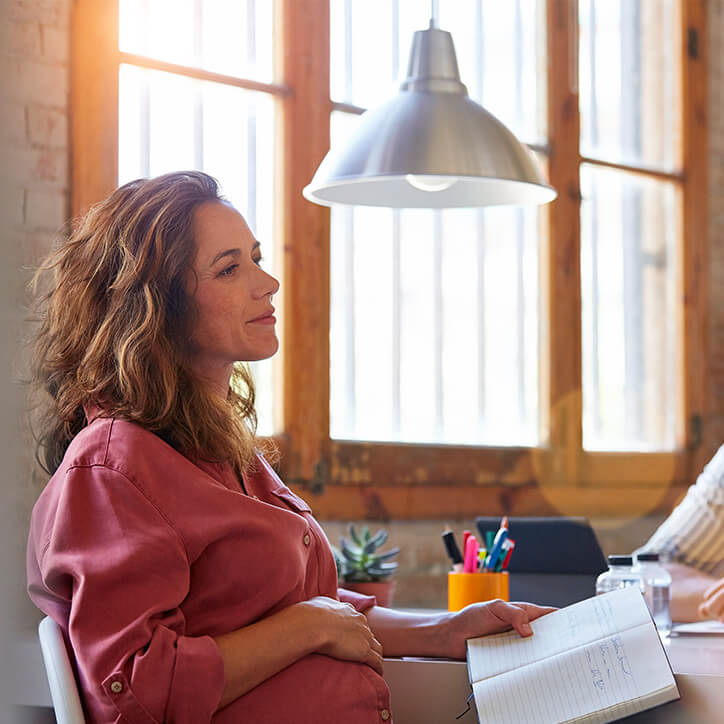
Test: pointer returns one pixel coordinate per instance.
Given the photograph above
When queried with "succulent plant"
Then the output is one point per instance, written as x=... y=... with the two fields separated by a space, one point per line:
x=358 y=560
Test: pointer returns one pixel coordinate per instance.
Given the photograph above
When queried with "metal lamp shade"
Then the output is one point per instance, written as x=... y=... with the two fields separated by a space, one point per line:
x=430 y=147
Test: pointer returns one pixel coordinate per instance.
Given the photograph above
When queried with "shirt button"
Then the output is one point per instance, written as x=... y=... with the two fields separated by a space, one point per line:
x=116 y=687
x=385 y=714
x=306 y=540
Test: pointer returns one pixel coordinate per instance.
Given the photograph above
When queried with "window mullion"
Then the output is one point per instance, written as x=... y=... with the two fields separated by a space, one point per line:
x=563 y=401
x=302 y=62
x=695 y=291
x=94 y=100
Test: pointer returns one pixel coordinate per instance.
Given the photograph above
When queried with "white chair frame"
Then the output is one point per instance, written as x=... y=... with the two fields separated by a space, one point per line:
x=58 y=668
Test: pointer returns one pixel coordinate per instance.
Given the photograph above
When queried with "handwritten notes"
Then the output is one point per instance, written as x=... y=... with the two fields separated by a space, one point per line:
x=580 y=662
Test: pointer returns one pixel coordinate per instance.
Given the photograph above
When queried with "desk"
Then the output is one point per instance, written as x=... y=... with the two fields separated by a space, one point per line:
x=433 y=691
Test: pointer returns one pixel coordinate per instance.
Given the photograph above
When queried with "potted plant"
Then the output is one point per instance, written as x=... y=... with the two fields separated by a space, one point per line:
x=361 y=568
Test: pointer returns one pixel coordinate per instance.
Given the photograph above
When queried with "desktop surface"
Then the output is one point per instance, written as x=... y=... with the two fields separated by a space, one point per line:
x=432 y=691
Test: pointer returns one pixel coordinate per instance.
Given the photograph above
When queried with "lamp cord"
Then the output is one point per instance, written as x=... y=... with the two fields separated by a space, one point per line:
x=434 y=12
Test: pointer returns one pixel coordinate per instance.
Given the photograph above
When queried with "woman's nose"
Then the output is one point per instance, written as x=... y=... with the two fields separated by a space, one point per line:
x=267 y=286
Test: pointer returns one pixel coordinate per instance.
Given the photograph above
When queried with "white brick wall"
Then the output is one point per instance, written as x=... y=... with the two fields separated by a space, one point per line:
x=34 y=204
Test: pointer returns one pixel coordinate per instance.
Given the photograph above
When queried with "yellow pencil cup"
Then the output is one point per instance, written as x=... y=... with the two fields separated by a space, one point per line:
x=466 y=588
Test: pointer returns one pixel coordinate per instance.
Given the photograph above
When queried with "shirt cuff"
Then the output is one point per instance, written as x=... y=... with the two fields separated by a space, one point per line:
x=198 y=679
x=358 y=600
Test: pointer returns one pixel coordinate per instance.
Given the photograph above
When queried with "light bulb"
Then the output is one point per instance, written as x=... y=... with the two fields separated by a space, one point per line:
x=430 y=183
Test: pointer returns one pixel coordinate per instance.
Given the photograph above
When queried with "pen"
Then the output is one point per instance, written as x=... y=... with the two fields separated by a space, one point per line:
x=500 y=538
x=448 y=538
x=471 y=555
x=503 y=553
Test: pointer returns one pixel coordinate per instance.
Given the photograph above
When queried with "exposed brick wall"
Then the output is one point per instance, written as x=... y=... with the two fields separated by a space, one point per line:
x=34 y=204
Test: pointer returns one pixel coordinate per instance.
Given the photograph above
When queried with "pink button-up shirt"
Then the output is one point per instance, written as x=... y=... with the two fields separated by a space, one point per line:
x=142 y=556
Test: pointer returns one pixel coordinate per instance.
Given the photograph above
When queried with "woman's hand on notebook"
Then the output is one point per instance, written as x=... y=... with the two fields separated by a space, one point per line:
x=481 y=619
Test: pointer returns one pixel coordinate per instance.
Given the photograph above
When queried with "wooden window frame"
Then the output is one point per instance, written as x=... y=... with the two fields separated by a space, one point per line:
x=347 y=479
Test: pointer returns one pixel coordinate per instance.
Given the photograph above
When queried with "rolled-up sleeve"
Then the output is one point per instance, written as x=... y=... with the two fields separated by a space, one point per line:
x=128 y=572
x=694 y=532
x=360 y=601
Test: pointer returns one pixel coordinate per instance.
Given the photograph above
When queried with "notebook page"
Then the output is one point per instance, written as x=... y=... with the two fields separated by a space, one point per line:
x=584 y=682
x=559 y=631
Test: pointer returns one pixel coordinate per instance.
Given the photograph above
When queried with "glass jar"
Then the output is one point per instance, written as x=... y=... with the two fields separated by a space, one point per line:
x=657 y=589
x=620 y=574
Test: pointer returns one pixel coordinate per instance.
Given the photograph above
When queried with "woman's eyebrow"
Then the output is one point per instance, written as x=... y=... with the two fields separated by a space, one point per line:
x=228 y=252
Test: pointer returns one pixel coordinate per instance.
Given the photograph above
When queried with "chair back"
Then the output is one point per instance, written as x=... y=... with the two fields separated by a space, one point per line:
x=61 y=679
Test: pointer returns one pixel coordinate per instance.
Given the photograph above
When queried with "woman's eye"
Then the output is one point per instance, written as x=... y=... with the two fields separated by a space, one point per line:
x=228 y=271
x=258 y=260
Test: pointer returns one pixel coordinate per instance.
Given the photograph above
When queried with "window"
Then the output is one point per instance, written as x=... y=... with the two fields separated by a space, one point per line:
x=435 y=314
x=576 y=366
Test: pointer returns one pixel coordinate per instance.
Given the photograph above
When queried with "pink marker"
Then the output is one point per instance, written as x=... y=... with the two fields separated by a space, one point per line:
x=466 y=535
x=471 y=555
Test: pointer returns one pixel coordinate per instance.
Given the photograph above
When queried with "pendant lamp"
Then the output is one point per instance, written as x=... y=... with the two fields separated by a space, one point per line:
x=430 y=147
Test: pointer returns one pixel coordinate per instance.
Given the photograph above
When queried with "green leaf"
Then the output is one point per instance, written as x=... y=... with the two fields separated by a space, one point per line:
x=379 y=539
x=387 y=555
x=365 y=534
x=350 y=554
x=353 y=535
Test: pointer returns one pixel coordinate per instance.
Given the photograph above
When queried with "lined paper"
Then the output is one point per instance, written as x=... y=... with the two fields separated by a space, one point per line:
x=576 y=625
x=599 y=660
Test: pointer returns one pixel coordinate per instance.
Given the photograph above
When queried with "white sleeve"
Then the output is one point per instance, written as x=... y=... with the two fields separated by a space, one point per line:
x=694 y=532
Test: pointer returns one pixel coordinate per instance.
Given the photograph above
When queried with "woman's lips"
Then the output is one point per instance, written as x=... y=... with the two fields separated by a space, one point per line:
x=266 y=319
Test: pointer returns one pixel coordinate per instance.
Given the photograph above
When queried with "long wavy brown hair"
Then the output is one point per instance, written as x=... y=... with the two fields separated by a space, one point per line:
x=115 y=324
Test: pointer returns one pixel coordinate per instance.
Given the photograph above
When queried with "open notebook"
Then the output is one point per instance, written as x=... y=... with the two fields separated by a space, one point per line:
x=595 y=661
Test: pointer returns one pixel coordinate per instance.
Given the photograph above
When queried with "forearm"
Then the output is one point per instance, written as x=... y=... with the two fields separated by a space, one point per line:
x=409 y=634
x=687 y=591
x=256 y=652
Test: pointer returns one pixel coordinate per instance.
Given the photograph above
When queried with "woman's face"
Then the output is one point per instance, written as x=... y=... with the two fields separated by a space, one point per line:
x=232 y=293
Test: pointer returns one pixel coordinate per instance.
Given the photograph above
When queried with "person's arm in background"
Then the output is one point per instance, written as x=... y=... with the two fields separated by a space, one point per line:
x=692 y=539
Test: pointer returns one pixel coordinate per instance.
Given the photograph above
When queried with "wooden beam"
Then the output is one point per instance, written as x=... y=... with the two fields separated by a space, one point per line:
x=435 y=502
x=143 y=61
x=303 y=61
x=561 y=278
x=94 y=102
x=694 y=250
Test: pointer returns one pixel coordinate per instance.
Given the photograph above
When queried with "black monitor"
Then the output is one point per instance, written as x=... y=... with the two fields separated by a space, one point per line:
x=555 y=561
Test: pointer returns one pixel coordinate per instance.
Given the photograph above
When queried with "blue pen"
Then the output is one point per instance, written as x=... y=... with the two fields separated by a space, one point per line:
x=500 y=537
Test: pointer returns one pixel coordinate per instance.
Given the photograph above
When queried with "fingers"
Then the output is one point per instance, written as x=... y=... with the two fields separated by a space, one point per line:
x=713 y=605
x=714 y=588
x=534 y=610
x=512 y=614
x=374 y=657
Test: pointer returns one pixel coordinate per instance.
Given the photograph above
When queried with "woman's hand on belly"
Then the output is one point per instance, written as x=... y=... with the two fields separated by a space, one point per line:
x=344 y=632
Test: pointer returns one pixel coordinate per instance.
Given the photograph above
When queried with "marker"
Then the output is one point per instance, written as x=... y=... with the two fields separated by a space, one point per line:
x=509 y=554
x=471 y=555
x=489 y=535
x=466 y=535
x=481 y=559
x=453 y=552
